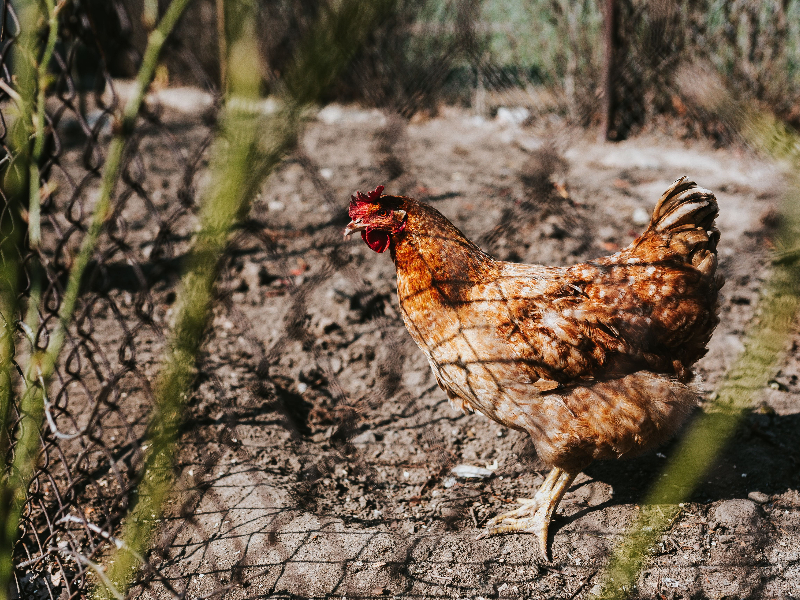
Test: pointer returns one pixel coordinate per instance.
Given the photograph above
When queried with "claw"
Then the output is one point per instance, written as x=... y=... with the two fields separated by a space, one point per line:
x=528 y=506
x=534 y=514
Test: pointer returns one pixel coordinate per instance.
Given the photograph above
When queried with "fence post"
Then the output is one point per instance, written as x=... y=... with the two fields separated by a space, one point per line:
x=611 y=43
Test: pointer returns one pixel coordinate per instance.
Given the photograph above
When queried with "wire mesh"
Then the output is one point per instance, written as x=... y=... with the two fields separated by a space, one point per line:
x=98 y=405
x=101 y=399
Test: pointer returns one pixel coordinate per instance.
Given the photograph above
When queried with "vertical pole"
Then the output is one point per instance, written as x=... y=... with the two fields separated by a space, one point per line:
x=222 y=42
x=607 y=132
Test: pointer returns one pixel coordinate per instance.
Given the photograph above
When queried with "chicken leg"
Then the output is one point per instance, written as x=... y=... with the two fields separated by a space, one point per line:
x=535 y=513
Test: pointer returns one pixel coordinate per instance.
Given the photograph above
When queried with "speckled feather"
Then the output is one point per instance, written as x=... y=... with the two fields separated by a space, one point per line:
x=592 y=360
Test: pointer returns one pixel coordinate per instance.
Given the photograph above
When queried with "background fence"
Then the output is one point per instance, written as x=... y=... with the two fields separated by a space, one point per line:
x=539 y=58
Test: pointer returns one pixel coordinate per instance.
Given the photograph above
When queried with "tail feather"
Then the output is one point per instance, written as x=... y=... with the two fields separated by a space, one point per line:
x=684 y=215
x=685 y=203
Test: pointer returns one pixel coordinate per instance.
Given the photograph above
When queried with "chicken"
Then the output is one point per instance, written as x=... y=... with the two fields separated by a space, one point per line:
x=591 y=360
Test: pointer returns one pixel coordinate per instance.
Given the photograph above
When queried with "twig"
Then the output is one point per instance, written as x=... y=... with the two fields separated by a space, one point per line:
x=583 y=584
x=33 y=561
x=51 y=422
x=12 y=93
x=98 y=530
x=98 y=569
x=31 y=101
x=102 y=209
x=34 y=176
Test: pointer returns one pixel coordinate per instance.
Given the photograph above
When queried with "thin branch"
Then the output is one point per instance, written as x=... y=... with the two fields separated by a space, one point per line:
x=99 y=570
x=13 y=491
x=34 y=176
x=51 y=422
x=99 y=531
x=12 y=93
x=102 y=210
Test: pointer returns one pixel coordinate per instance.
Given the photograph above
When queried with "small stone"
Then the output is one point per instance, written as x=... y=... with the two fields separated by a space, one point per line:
x=365 y=437
x=606 y=232
x=759 y=497
x=514 y=115
x=738 y=512
x=451 y=512
x=471 y=472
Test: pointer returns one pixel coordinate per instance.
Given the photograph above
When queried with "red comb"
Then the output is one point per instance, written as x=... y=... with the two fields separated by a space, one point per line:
x=359 y=198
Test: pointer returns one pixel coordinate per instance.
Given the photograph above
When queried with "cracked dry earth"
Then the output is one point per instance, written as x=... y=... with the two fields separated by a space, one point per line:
x=319 y=453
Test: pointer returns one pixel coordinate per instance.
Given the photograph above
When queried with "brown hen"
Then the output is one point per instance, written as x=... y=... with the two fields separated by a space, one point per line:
x=591 y=360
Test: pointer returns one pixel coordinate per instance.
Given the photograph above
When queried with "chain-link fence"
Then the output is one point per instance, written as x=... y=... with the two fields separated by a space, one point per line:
x=97 y=407
x=295 y=408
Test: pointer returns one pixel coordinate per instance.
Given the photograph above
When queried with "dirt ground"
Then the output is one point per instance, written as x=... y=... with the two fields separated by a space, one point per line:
x=318 y=453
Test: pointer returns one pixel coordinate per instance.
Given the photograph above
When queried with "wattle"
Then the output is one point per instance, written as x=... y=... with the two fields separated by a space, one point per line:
x=376 y=239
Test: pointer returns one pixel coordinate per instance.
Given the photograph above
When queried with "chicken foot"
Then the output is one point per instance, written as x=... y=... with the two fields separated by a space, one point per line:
x=535 y=513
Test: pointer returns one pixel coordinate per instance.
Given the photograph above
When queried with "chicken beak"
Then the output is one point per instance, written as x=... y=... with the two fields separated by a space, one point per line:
x=354 y=227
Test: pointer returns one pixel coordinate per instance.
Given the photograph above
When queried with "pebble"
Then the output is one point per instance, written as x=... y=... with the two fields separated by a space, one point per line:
x=759 y=497
x=737 y=512
x=515 y=115
x=365 y=437
x=451 y=512
x=471 y=472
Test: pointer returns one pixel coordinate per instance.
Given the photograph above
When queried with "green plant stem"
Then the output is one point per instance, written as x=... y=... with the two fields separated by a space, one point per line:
x=12 y=229
x=34 y=176
x=102 y=210
x=196 y=293
x=10 y=238
x=248 y=148
x=765 y=343
x=42 y=364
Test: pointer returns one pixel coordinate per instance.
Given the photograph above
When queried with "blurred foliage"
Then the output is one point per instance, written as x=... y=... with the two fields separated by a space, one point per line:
x=427 y=52
x=550 y=41
x=249 y=145
x=415 y=59
x=408 y=56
